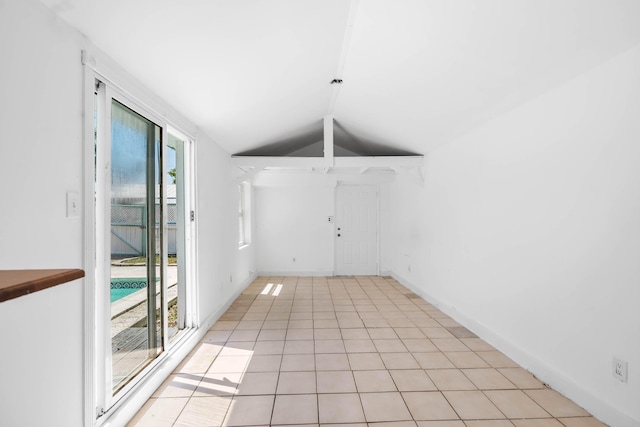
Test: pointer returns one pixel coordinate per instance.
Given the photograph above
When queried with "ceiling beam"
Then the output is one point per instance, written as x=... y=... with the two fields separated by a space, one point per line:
x=413 y=173
x=328 y=140
x=278 y=162
x=247 y=175
x=391 y=162
x=379 y=161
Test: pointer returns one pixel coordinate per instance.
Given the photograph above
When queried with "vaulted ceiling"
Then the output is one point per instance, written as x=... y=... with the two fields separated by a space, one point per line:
x=416 y=73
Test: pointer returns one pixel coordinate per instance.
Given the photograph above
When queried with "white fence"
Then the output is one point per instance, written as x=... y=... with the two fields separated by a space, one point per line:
x=128 y=229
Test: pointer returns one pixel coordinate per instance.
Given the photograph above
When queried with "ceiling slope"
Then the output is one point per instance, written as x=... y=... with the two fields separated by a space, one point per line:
x=244 y=71
x=420 y=73
x=309 y=142
x=416 y=73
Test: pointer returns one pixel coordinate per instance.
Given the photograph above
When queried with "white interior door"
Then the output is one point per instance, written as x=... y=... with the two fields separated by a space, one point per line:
x=356 y=230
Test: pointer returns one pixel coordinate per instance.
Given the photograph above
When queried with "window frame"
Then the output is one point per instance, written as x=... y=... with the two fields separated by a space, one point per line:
x=244 y=214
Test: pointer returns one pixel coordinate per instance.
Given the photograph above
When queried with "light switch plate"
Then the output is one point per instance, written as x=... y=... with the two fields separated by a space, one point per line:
x=73 y=204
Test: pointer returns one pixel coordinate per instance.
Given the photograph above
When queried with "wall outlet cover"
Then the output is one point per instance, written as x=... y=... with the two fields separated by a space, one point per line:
x=620 y=369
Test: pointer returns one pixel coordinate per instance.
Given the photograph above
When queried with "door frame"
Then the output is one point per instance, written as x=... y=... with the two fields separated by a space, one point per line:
x=97 y=400
x=335 y=231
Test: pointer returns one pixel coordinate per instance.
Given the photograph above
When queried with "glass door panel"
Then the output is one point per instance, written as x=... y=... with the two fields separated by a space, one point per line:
x=136 y=243
x=176 y=226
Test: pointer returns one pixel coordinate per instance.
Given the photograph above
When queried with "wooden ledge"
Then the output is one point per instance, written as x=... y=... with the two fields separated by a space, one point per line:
x=16 y=283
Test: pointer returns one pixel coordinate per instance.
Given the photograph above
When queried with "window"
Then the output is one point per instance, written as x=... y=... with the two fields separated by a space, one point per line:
x=244 y=214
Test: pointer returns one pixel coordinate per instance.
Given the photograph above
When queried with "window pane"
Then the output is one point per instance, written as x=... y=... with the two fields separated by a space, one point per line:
x=241 y=230
x=135 y=240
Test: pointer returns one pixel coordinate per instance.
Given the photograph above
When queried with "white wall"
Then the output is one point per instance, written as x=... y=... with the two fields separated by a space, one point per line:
x=223 y=268
x=528 y=231
x=40 y=137
x=291 y=222
x=41 y=158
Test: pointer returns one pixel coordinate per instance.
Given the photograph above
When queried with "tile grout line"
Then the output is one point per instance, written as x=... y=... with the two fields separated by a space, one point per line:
x=327 y=294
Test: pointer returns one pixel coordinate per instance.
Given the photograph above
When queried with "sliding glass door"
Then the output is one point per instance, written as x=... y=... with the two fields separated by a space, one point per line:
x=143 y=235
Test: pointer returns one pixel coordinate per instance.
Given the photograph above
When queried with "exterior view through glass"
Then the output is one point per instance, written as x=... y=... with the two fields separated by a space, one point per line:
x=136 y=243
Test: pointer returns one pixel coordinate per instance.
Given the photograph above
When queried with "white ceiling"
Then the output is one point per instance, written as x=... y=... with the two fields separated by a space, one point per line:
x=417 y=73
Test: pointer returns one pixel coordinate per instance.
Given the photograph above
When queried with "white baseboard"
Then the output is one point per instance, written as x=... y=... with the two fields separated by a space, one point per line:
x=314 y=273
x=213 y=318
x=543 y=371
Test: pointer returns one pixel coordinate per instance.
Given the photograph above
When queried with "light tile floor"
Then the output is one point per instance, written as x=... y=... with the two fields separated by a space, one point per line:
x=358 y=351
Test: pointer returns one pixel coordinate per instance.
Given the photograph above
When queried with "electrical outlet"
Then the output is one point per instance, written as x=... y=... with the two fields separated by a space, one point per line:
x=620 y=369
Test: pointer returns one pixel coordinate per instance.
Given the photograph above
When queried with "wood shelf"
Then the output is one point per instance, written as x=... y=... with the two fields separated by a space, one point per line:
x=16 y=283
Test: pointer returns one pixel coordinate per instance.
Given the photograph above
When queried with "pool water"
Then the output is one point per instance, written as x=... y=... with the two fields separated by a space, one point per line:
x=117 y=294
x=121 y=287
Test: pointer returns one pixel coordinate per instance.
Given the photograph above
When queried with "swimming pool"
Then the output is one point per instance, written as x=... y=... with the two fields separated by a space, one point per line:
x=121 y=287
